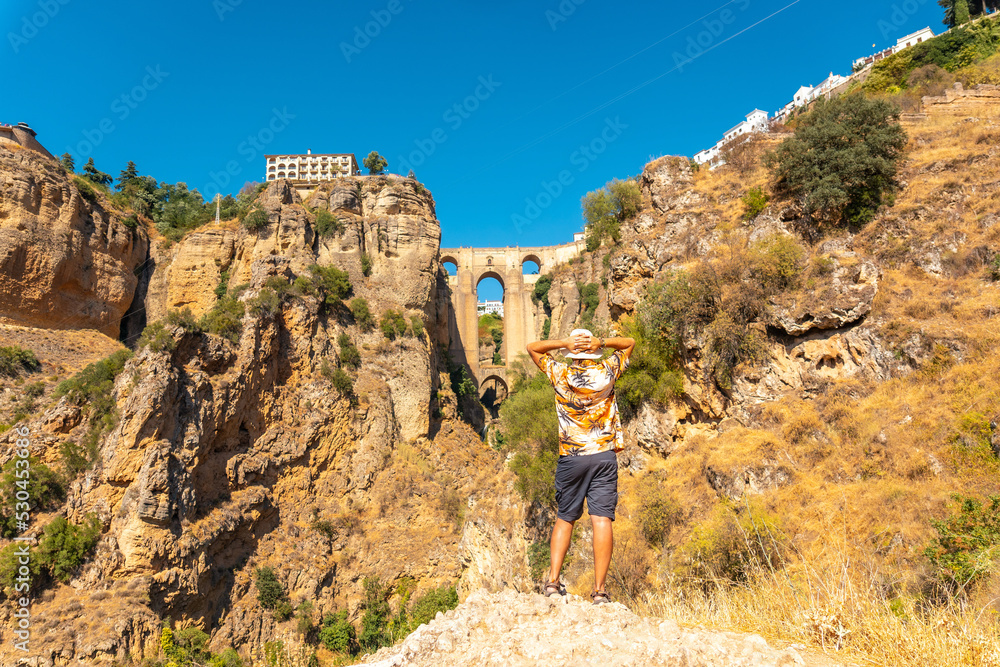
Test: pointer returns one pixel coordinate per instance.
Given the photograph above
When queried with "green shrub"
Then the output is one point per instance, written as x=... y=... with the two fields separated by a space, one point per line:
x=589 y=300
x=657 y=513
x=92 y=387
x=304 y=624
x=131 y=221
x=754 y=202
x=362 y=314
x=540 y=294
x=255 y=219
x=283 y=611
x=604 y=210
x=994 y=268
x=334 y=283
x=777 y=262
x=733 y=545
x=426 y=607
x=64 y=546
x=327 y=224
x=534 y=472
x=731 y=343
x=546 y=328
x=183 y=319
x=340 y=380
x=15 y=360
x=228 y=658
x=540 y=559
x=459 y=377
x=366 y=264
x=843 y=159
x=225 y=319
x=43 y=486
x=337 y=634
x=269 y=590
x=349 y=355
x=85 y=188
x=967 y=543
x=267 y=303
x=157 y=338
x=374 y=633
x=417 y=326
x=393 y=324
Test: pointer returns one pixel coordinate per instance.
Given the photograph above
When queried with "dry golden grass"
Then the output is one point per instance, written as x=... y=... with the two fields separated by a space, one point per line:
x=842 y=613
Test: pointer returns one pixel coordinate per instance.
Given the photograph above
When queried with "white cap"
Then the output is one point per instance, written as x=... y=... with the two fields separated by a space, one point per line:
x=579 y=355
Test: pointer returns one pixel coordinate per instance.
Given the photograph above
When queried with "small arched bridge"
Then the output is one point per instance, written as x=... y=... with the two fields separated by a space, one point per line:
x=472 y=265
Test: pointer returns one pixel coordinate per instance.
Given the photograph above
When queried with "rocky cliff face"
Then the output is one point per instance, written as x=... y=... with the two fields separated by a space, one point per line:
x=65 y=262
x=228 y=456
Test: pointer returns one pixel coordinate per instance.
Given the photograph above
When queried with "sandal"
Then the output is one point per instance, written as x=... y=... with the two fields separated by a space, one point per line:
x=555 y=587
x=600 y=597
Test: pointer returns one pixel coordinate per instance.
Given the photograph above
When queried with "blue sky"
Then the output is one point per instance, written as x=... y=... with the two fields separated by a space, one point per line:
x=492 y=104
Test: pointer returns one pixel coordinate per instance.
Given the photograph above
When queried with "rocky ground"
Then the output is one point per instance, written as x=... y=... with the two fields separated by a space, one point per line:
x=509 y=628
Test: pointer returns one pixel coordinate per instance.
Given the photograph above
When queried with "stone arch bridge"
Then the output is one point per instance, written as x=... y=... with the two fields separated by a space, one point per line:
x=505 y=265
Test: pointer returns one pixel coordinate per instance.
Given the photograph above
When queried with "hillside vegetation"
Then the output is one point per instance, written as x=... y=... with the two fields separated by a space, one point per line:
x=857 y=513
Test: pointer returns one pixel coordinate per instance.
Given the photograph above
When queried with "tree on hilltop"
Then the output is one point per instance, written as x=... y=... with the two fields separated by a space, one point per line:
x=957 y=12
x=66 y=160
x=127 y=174
x=375 y=163
x=843 y=159
x=94 y=175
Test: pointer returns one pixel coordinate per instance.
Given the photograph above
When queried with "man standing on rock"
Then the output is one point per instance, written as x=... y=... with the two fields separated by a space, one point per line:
x=590 y=433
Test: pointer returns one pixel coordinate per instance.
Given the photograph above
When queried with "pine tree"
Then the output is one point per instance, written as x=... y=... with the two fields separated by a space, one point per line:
x=127 y=174
x=91 y=173
x=67 y=162
x=961 y=12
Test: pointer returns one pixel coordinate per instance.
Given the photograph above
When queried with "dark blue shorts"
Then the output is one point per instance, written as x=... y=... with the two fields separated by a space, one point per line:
x=590 y=476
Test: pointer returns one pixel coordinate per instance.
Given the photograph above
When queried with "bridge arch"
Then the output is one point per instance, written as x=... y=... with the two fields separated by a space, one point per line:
x=506 y=266
x=531 y=257
x=491 y=274
x=493 y=389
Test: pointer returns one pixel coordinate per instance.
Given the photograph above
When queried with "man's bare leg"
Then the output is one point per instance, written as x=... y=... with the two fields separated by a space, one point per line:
x=603 y=546
x=559 y=545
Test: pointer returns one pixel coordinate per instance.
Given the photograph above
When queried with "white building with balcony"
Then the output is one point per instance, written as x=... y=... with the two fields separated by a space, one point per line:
x=806 y=94
x=495 y=307
x=311 y=168
x=756 y=121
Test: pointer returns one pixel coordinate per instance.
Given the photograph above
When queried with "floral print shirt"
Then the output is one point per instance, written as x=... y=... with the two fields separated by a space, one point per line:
x=585 y=403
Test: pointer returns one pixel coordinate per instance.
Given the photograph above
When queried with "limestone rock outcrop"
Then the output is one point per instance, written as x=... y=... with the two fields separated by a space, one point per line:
x=65 y=262
x=510 y=629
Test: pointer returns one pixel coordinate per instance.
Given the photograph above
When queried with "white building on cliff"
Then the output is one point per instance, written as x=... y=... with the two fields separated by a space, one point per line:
x=756 y=122
x=311 y=168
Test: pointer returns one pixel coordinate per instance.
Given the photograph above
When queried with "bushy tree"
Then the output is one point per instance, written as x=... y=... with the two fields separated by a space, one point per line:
x=66 y=160
x=43 y=487
x=135 y=191
x=362 y=313
x=178 y=210
x=64 y=545
x=375 y=163
x=334 y=283
x=337 y=634
x=843 y=159
x=605 y=209
x=269 y=590
x=15 y=360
